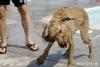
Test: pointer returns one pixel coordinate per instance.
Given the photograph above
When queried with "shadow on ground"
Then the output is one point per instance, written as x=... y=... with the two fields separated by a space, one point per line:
x=56 y=60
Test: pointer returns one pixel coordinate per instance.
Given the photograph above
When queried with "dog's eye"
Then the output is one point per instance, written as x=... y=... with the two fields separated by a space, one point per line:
x=66 y=19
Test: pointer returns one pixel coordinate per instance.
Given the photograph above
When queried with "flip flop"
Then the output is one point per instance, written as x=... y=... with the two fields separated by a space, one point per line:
x=3 y=47
x=30 y=47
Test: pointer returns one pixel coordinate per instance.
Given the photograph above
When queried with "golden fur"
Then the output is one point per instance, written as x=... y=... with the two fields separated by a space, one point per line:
x=64 y=23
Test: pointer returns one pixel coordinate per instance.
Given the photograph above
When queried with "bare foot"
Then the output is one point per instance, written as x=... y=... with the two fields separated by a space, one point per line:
x=32 y=47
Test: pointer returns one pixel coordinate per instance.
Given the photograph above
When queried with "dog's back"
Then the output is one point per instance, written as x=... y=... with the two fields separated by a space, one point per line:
x=73 y=17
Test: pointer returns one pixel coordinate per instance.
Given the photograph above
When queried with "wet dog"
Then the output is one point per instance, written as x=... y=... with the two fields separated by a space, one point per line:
x=63 y=24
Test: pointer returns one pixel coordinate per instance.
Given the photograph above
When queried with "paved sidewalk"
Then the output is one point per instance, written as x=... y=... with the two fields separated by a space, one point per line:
x=19 y=56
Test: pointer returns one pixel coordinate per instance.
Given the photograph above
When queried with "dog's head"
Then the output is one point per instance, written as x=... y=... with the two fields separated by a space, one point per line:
x=57 y=31
x=62 y=36
x=52 y=30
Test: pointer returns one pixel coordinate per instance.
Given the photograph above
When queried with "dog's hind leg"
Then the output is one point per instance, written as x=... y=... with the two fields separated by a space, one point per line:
x=85 y=37
x=41 y=59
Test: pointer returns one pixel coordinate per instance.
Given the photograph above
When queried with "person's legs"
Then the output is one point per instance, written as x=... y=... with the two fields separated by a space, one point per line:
x=25 y=22
x=26 y=26
x=22 y=8
x=3 y=30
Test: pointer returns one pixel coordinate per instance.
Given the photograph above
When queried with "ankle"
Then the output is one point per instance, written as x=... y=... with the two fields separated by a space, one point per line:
x=29 y=42
x=3 y=44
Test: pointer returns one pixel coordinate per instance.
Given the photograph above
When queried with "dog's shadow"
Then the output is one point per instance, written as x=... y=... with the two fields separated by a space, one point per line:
x=54 y=59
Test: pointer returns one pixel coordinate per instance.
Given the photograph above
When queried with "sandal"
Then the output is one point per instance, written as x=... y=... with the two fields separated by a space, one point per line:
x=2 y=48
x=30 y=46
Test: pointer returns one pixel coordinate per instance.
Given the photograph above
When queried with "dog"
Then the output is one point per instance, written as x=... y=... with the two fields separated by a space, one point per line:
x=61 y=28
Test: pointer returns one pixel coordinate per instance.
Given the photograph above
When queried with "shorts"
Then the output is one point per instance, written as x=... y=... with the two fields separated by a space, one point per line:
x=17 y=3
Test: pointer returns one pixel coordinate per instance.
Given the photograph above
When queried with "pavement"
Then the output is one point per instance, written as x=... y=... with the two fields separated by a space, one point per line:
x=18 y=55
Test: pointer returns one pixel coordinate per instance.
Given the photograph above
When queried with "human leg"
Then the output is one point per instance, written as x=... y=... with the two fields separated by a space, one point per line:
x=3 y=28
x=23 y=11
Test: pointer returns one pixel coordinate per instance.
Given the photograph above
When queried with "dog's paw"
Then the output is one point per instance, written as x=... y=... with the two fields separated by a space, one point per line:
x=69 y=65
x=40 y=60
x=91 y=55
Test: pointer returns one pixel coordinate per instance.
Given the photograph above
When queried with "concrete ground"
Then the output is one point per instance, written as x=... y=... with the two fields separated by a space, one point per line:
x=19 y=56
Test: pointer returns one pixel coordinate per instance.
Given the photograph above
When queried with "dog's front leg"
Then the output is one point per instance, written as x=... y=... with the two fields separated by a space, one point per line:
x=41 y=59
x=70 y=53
x=66 y=53
x=44 y=31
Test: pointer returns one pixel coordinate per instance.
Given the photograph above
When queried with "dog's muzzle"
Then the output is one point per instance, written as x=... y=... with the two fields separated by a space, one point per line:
x=62 y=44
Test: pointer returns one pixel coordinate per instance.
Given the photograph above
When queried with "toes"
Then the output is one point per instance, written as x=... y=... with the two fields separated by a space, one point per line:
x=35 y=47
x=91 y=56
x=32 y=47
x=3 y=50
